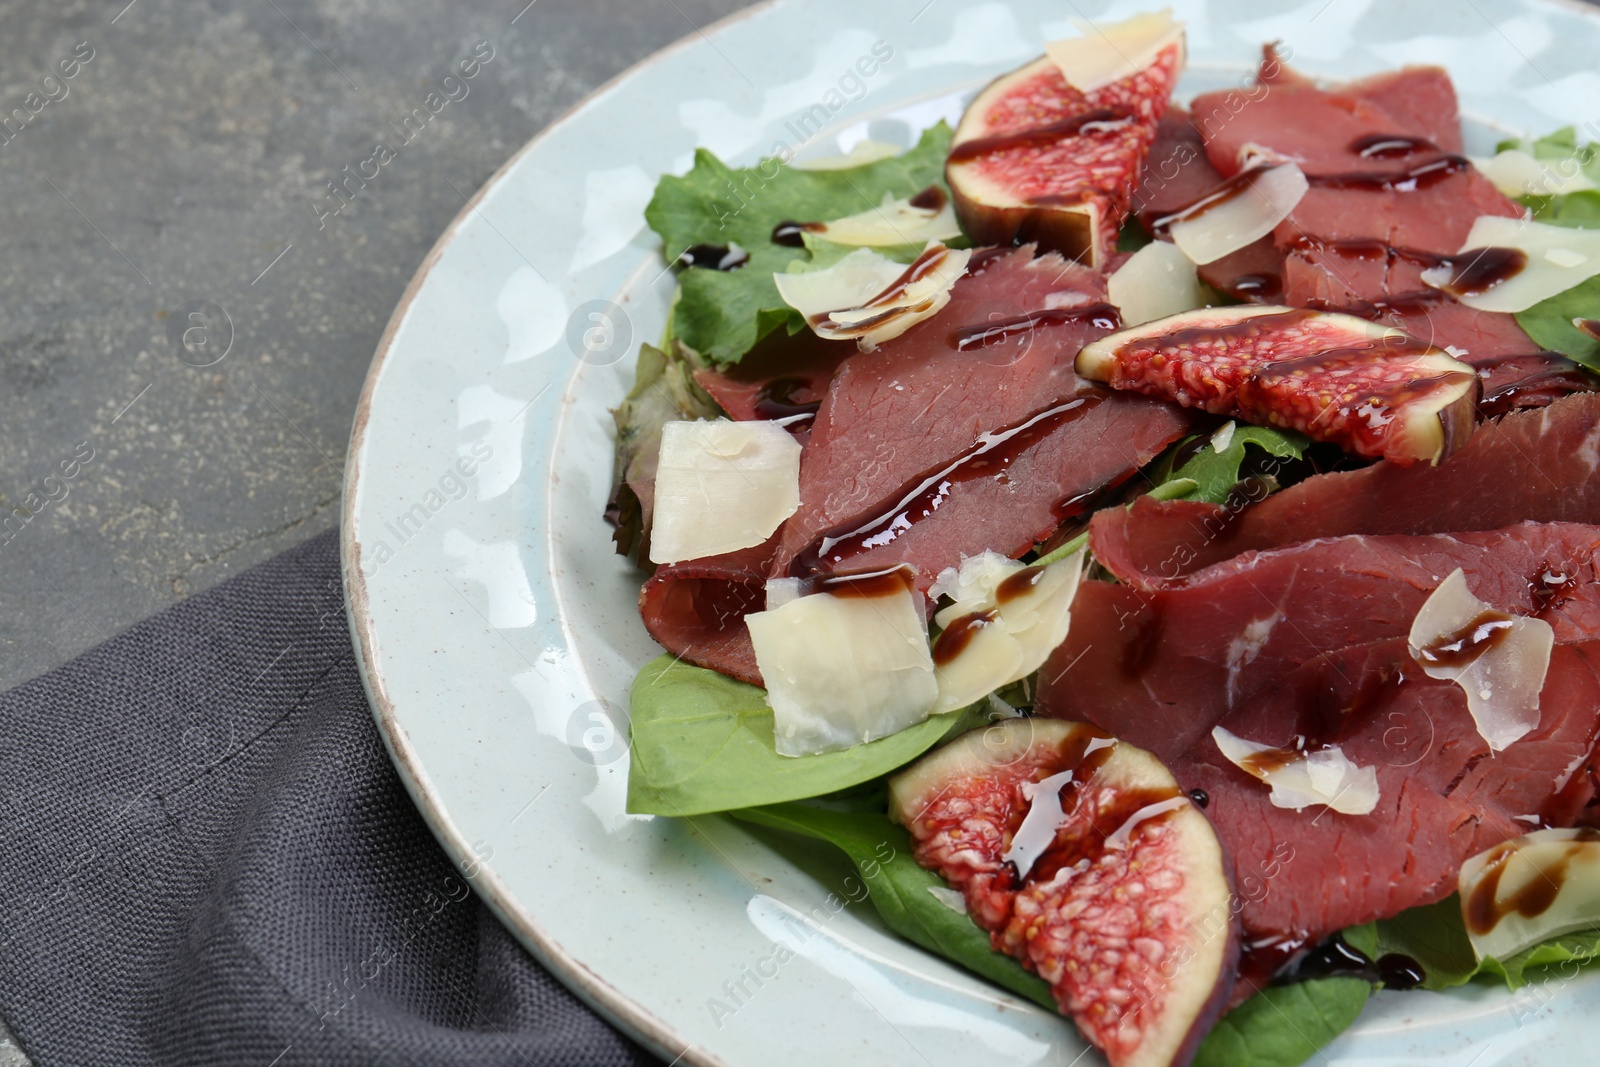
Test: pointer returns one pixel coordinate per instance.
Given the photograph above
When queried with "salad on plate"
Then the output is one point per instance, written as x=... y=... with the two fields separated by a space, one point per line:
x=1155 y=544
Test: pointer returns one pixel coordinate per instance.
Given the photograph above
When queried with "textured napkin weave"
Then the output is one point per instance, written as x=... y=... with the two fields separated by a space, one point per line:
x=208 y=859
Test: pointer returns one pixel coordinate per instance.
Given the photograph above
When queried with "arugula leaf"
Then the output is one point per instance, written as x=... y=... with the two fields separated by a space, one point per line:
x=702 y=742
x=1282 y=1026
x=1214 y=473
x=1549 y=322
x=722 y=314
x=899 y=889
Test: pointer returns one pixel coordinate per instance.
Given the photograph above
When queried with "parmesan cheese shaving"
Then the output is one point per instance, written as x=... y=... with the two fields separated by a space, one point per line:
x=1501 y=670
x=1109 y=52
x=843 y=670
x=869 y=298
x=1558 y=258
x=1156 y=281
x=721 y=486
x=1300 y=780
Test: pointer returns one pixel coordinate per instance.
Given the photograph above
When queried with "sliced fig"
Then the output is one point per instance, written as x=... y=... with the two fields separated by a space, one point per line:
x=1035 y=159
x=1371 y=389
x=1083 y=859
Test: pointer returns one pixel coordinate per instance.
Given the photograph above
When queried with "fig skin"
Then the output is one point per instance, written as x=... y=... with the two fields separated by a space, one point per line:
x=1372 y=390
x=1131 y=904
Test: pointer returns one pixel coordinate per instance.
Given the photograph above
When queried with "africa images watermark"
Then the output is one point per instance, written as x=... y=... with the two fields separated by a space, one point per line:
x=53 y=89
x=52 y=489
x=450 y=487
x=740 y=991
x=851 y=87
x=342 y=190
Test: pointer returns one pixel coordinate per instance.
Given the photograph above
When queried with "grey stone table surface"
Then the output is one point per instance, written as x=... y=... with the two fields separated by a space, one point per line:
x=185 y=325
x=164 y=199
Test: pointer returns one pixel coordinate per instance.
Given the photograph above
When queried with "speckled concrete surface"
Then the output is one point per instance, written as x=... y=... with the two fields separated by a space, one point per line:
x=181 y=171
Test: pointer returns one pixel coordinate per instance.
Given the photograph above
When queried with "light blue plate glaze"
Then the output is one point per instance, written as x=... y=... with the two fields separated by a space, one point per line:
x=497 y=631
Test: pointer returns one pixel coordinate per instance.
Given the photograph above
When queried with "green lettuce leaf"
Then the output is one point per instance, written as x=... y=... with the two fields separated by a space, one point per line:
x=1549 y=322
x=899 y=889
x=1556 y=148
x=722 y=314
x=702 y=742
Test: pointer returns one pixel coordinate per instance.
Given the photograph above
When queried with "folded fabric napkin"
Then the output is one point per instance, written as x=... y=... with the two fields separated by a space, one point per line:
x=208 y=858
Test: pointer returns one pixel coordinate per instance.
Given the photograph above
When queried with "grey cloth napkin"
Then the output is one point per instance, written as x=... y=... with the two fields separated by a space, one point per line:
x=207 y=858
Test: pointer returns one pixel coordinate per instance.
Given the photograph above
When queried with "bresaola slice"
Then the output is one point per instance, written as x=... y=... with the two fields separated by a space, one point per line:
x=1082 y=858
x=1539 y=466
x=1371 y=390
x=971 y=432
x=1307 y=646
x=980 y=369
x=1035 y=159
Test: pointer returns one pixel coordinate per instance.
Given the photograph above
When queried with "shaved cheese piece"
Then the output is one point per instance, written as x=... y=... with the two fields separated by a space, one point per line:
x=950 y=898
x=1530 y=889
x=1156 y=281
x=721 y=486
x=1300 y=780
x=1237 y=215
x=1006 y=620
x=1224 y=436
x=842 y=670
x=869 y=298
x=1558 y=257
x=1043 y=819
x=1111 y=51
x=896 y=222
x=1498 y=660
x=1516 y=173
x=861 y=153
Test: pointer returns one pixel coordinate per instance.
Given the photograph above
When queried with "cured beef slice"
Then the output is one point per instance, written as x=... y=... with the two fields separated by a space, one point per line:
x=897 y=416
x=1309 y=642
x=1360 y=247
x=917 y=403
x=1541 y=466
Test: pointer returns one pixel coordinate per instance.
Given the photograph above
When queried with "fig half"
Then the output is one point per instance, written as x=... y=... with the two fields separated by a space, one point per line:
x=1037 y=160
x=1370 y=389
x=1083 y=859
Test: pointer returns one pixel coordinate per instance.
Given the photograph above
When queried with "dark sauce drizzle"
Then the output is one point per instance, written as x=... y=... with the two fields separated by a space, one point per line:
x=1390 y=145
x=1487 y=269
x=1337 y=958
x=1588 y=326
x=1095 y=120
x=792 y=234
x=1466 y=643
x=776 y=400
x=1200 y=797
x=923 y=495
x=954 y=639
x=1226 y=193
x=984 y=334
x=714 y=257
x=1408 y=180
x=930 y=199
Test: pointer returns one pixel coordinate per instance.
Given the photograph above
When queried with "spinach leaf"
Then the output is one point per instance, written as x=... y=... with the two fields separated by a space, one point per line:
x=899 y=889
x=1282 y=1026
x=722 y=314
x=1435 y=936
x=1549 y=322
x=703 y=742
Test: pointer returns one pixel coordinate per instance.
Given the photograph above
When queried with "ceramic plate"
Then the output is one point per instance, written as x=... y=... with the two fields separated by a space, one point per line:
x=497 y=631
